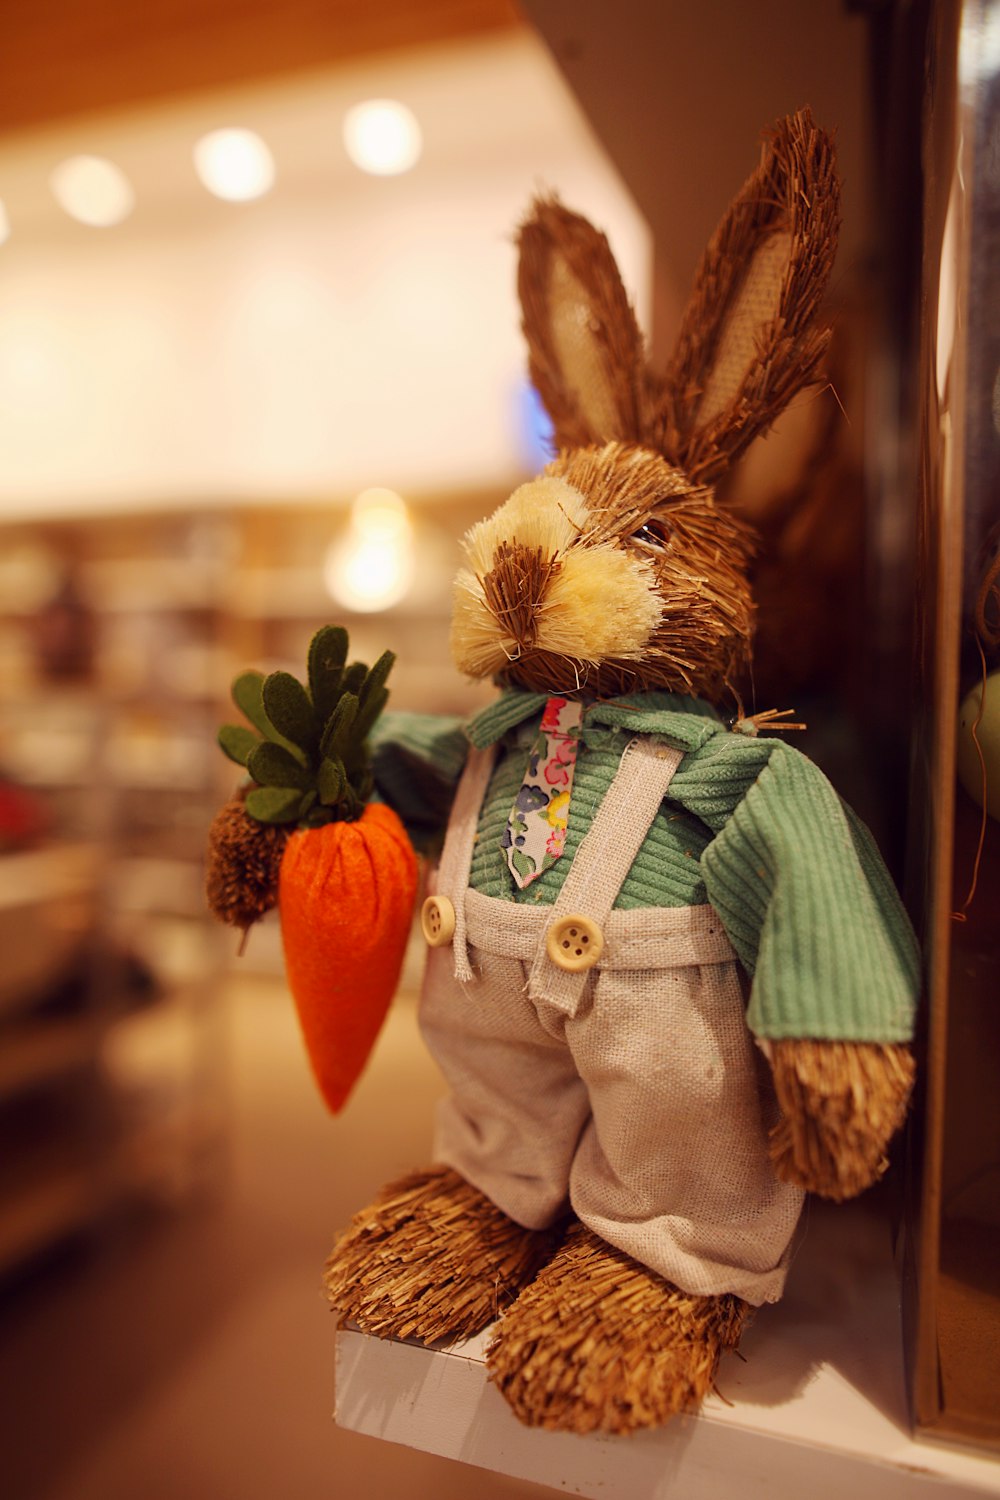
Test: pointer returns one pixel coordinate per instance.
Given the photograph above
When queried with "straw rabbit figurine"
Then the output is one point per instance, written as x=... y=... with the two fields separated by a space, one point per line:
x=623 y=1156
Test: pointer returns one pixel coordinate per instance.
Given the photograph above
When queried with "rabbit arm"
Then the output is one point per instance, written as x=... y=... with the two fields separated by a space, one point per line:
x=811 y=911
x=416 y=761
x=841 y=1103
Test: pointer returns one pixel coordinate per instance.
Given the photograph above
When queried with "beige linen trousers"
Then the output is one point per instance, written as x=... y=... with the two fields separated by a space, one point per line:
x=633 y=1089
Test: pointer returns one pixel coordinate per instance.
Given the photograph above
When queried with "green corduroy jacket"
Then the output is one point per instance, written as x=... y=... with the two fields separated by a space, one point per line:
x=749 y=824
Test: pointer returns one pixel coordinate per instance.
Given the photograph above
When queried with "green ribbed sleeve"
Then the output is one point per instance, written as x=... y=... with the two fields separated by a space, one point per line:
x=810 y=908
x=416 y=761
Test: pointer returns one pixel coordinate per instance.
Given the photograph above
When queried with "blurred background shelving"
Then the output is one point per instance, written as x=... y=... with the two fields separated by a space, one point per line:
x=108 y=961
x=116 y=645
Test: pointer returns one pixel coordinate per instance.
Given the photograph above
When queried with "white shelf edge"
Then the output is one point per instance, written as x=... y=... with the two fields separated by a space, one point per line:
x=816 y=1408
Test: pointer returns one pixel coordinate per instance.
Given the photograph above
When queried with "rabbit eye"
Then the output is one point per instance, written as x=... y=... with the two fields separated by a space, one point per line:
x=655 y=536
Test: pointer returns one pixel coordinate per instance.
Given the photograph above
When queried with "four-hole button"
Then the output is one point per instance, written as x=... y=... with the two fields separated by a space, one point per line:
x=574 y=943
x=437 y=921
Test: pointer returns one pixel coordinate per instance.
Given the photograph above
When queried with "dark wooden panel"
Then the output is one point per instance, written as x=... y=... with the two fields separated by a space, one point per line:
x=66 y=57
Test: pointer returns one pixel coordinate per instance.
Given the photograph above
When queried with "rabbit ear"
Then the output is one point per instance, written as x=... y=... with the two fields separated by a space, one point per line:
x=585 y=348
x=747 y=343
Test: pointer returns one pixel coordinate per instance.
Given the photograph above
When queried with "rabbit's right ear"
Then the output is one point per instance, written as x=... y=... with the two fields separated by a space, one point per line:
x=585 y=349
x=748 y=341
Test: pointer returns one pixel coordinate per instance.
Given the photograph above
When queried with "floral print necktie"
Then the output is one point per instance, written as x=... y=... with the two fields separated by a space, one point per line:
x=536 y=829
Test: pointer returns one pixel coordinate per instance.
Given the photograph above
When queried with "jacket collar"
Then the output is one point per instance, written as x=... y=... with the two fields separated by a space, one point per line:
x=686 y=723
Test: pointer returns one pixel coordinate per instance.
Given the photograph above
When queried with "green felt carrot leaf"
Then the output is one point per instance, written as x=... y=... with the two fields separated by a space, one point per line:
x=272 y=765
x=247 y=695
x=376 y=678
x=369 y=712
x=290 y=710
x=331 y=781
x=238 y=743
x=274 y=804
x=312 y=765
x=339 y=731
x=354 y=678
x=327 y=654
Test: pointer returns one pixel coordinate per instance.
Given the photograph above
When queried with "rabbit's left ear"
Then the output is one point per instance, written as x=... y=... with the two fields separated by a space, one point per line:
x=586 y=354
x=749 y=340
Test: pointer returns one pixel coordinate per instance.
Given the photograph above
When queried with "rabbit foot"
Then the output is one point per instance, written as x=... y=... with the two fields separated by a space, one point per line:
x=431 y=1258
x=598 y=1343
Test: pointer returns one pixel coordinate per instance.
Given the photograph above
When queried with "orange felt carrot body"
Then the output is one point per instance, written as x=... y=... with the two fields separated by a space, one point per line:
x=346 y=894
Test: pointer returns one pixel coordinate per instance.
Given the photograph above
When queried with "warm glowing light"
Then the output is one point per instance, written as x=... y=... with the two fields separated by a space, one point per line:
x=4 y=223
x=383 y=137
x=378 y=513
x=92 y=190
x=371 y=567
x=366 y=575
x=234 y=164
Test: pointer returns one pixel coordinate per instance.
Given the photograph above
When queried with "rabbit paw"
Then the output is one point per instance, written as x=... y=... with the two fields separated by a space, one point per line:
x=432 y=1258
x=841 y=1104
x=598 y=1343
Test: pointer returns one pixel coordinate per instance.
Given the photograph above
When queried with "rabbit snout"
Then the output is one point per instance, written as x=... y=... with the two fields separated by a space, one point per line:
x=515 y=587
x=608 y=573
x=541 y=587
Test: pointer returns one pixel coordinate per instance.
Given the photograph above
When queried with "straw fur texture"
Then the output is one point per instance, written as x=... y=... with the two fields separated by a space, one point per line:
x=749 y=338
x=430 y=1259
x=598 y=1343
x=585 y=351
x=632 y=577
x=841 y=1104
x=243 y=862
x=610 y=574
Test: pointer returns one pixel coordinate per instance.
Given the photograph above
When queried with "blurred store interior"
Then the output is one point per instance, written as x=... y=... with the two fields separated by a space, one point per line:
x=260 y=367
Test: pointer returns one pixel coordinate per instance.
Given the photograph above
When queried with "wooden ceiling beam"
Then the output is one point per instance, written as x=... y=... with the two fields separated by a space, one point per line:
x=60 y=58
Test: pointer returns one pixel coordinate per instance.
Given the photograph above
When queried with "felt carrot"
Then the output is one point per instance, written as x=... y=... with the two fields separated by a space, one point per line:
x=306 y=837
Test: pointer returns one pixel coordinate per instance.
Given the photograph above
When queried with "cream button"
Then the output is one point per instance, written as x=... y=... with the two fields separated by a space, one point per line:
x=574 y=943
x=437 y=921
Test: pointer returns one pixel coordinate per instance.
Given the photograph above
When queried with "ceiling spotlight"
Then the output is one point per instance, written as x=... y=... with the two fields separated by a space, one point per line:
x=234 y=164
x=383 y=137
x=92 y=190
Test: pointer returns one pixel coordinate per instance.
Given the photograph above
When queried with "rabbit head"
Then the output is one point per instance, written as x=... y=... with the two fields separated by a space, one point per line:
x=615 y=569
